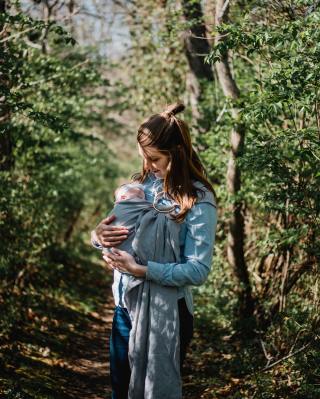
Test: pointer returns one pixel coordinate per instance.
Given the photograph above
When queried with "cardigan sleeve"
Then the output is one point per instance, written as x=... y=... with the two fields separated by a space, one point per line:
x=94 y=240
x=201 y=223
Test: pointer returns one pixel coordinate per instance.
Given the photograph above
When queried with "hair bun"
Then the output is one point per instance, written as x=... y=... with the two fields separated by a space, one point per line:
x=174 y=109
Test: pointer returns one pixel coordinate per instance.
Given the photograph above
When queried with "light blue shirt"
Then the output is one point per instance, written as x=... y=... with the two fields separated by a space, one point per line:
x=197 y=238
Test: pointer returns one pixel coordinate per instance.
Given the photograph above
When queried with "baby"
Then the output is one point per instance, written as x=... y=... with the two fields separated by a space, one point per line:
x=132 y=210
x=125 y=192
x=135 y=191
x=130 y=203
x=129 y=191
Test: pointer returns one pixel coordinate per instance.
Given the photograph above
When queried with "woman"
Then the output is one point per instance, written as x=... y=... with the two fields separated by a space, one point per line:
x=172 y=171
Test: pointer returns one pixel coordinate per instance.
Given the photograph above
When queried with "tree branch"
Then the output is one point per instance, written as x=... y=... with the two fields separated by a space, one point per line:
x=304 y=347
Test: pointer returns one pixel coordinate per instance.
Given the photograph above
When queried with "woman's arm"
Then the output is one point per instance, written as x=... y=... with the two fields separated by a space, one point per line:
x=201 y=223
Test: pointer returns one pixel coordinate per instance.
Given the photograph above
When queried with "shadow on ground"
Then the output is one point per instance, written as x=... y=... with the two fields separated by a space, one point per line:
x=59 y=347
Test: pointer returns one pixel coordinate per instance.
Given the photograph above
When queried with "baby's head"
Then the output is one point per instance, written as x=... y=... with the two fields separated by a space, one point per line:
x=129 y=191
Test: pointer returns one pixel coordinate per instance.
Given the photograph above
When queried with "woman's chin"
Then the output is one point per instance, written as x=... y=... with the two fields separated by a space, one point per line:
x=158 y=174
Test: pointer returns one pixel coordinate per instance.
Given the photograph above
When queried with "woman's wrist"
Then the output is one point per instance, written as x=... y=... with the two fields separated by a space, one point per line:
x=139 y=270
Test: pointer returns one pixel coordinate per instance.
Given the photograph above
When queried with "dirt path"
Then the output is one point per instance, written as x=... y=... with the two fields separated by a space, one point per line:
x=65 y=356
x=87 y=364
x=89 y=360
x=61 y=352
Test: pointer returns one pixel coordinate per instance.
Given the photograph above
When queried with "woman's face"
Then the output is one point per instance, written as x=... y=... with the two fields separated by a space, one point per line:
x=156 y=161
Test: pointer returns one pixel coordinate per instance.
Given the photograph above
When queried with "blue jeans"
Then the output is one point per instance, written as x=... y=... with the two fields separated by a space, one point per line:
x=119 y=363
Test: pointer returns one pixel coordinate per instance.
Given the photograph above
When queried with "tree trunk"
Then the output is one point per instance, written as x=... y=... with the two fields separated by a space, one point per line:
x=6 y=146
x=235 y=251
x=72 y=223
x=196 y=47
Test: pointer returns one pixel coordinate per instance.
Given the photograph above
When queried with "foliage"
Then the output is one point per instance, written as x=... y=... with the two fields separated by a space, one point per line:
x=62 y=171
x=274 y=61
x=155 y=59
x=276 y=58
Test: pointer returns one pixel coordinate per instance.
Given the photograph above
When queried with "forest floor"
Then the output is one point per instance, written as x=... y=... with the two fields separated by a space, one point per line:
x=59 y=348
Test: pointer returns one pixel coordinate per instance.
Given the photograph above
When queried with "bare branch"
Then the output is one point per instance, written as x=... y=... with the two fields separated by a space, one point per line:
x=303 y=348
x=56 y=75
x=312 y=8
x=223 y=9
x=15 y=35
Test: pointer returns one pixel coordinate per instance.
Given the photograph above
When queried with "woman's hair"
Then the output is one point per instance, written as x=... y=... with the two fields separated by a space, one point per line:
x=170 y=135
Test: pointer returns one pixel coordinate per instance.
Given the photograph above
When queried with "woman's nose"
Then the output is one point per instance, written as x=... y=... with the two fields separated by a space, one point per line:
x=148 y=164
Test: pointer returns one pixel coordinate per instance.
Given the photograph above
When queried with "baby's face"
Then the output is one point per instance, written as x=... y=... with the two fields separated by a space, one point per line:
x=132 y=193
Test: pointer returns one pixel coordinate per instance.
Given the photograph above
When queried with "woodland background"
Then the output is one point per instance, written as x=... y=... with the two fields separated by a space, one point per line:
x=77 y=78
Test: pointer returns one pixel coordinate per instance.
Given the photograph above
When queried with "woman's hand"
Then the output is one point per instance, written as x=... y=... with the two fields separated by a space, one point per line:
x=110 y=236
x=124 y=262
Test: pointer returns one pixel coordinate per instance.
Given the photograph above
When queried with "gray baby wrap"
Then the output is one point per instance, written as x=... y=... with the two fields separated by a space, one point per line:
x=154 y=344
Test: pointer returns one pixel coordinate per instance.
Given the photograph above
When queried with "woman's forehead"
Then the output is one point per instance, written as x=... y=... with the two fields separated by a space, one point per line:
x=148 y=151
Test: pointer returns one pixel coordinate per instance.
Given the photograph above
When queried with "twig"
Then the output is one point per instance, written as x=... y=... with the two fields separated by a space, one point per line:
x=222 y=112
x=199 y=54
x=4 y=30
x=223 y=10
x=32 y=44
x=296 y=340
x=54 y=75
x=312 y=8
x=282 y=299
x=17 y=34
x=246 y=58
x=314 y=154
x=97 y=16
x=266 y=354
x=211 y=37
x=304 y=347
x=317 y=114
